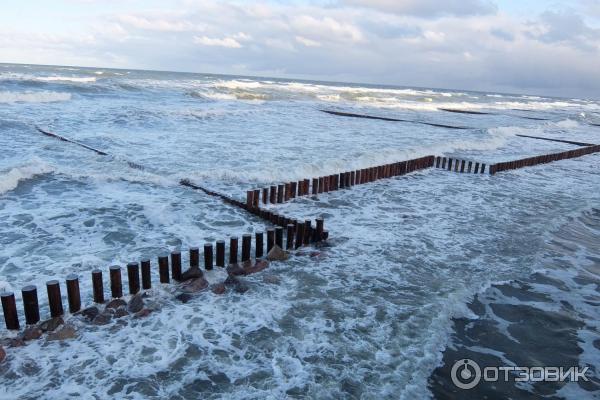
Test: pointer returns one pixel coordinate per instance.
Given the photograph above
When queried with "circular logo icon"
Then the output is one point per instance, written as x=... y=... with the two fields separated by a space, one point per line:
x=465 y=374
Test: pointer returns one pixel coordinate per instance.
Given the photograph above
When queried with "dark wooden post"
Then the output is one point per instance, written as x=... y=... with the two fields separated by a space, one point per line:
x=294 y=189
x=259 y=244
x=116 y=289
x=321 y=184
x=146 y=275
x=307 y=232
x=315 y=186
x=270 y=239
x=462 y=166
x=9 y=307
x=273 y=198
x=54 y=298
x=30 y=304
x=306 y=187
x=290 y=236
x=287 y=192
x=176 y=265
x=280 y=193
x=279 y=236
x=98 y=287
x=469 y=166
x=233 y=250
x=246 y=244
x=73 y=294
x=352 y=178
x=163 y=268
x=255 y=198
x=194 y=257
x=319 y=229
x=208 y=256
x=299 y=234
x=482 y=168
x=220 y=253
x=249 y=199
x=133 y=277
x=476 y=168
x=265 y=195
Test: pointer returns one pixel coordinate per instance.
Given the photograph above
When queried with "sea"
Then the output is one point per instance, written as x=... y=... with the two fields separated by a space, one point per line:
x=419 y=272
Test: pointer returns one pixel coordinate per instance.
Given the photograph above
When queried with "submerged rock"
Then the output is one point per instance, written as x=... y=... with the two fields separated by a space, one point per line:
x=90 y=313
x=219 y=288
x=184 y=297
x=64 y=333
x=241 y=288
x=51 y=324
x=135 y=304
x=143 y=313
x=192 y=273
x=272 y=279
x=235 y=269
x=231 y=280
x=121 y=312
x=31 y=333
x=257 y=267
x=115 y=303
x=102 y=319
x=194 y=285
x=2 y=354
x=277 y=254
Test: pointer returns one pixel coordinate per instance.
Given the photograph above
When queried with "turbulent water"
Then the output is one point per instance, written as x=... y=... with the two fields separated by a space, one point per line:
x=420 y=271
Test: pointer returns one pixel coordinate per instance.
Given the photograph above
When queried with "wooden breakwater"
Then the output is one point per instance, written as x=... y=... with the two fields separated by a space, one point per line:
x=543 y=159
x=284 y=192
x=456 y=165
x=139 y=275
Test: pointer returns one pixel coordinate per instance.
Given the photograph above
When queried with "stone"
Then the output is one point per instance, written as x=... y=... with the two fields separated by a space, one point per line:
x=102 y=318
x=64 y=333
x=90 y=312
x=31 y=333
x=272 y=279
x=218 y=288
x=194 y=285
x=13 y=342
x=135 y=304
x=115 y=303
x=277 y=254
x=192 y=273
x=51 y=324
x=142 y=313
x=121 y=312
x=257 y=267
x=184 y=297
x=241 y=288
x=231 y=280
x=2 y=354
x=235 y=269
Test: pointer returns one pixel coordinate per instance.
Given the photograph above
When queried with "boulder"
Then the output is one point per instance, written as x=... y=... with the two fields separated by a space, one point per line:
x=277 y=254
x=2 y=354
x=102 y=318
x=184 y=297
x=51 y=324
x=13 y=342
x=194 y=285
x=90 y=312
x=31 y=333
x=231 y=280
x=115 y=303
x=241 y=288
x=235 y=269
x=258 y=266
x=192 y=273
x=135 y=304
x=121 y=312
x=64 y=333
x=218 y=288
x=143 y=313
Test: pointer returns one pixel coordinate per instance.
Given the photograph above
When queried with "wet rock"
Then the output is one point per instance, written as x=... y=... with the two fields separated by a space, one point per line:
x=218 y=288
x=143 y=313
x=64 y=333
x=135 y=304
x=121 y=312
x=152 y=305
x=31 y=333
x=51 y=324
x=258 y=266
x=2 y=354
x=241 y=288
x=194 y=285
x=231 y=280
x=192 y=273
x=102 y=319
x=90 y=313
x=115 y=303
x=184 y=297
x=277 y=254
x=13 y=342
x=272 y=279
x=235 y=270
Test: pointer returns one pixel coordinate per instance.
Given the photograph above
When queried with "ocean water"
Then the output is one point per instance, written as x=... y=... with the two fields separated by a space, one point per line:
x=419 y=270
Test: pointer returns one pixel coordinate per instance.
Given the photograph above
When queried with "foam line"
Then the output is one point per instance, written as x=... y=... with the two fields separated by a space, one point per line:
x=345 y=114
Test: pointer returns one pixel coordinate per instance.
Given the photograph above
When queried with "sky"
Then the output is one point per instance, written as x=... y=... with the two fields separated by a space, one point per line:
x=528 y=46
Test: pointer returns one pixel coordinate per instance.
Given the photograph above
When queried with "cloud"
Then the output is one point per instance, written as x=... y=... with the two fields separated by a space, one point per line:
x=428 y=8
x=307 y=42
x=225 y=42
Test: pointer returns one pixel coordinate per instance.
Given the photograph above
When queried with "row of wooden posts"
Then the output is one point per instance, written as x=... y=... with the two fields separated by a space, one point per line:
x=286 y=191
x=547 y=158
x=169 y=267
x=459 y=165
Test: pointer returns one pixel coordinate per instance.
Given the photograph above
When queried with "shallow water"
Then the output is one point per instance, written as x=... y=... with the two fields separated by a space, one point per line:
x=370 y=315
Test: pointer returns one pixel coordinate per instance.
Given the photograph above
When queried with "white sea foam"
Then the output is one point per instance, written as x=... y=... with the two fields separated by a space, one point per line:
x=87 y=79
x=10 y=179
x=33 y=97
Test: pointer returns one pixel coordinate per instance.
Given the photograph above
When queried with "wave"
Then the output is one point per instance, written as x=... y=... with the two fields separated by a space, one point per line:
x=10 y=180
x=33 y=97
x=66 y=79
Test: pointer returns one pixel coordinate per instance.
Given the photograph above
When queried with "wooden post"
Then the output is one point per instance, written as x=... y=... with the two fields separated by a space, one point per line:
x=73 y=295
x=273 y=198
x=307 y=232
x=259 y=244
x=279 y=237
x=319 y=229
x=287 y=192
x=476 y=168
x=270 y=239
x=469 y=166
x=290 y=236
x=133 y=277
x=9 y=307
x=306 y=187
x=315 y=186
x=233 y=250
x=294 y=189
x=54 y=298
x=321 y=184
x=30 y=304
x=146 y=275
x=194 y=257
x=462 y=166
x=265 y=195
x=482 y=168
x=280 y=193
x=352 y=178
x=208 y=256
x=163 y=268
x=97 y=284
x=116 y=289
x=255 y=198
x=299 y=234
x=176 y=265
x=246 y=244
x=249 y=199
x=220 y=253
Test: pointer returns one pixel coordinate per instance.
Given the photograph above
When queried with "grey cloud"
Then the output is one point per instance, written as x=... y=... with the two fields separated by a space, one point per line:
x=567 y=27
x=502 y=34
x=428 y=8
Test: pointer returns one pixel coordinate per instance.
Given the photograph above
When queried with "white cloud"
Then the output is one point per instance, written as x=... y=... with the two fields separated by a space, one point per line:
x=307 y=42
x=225 y=42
